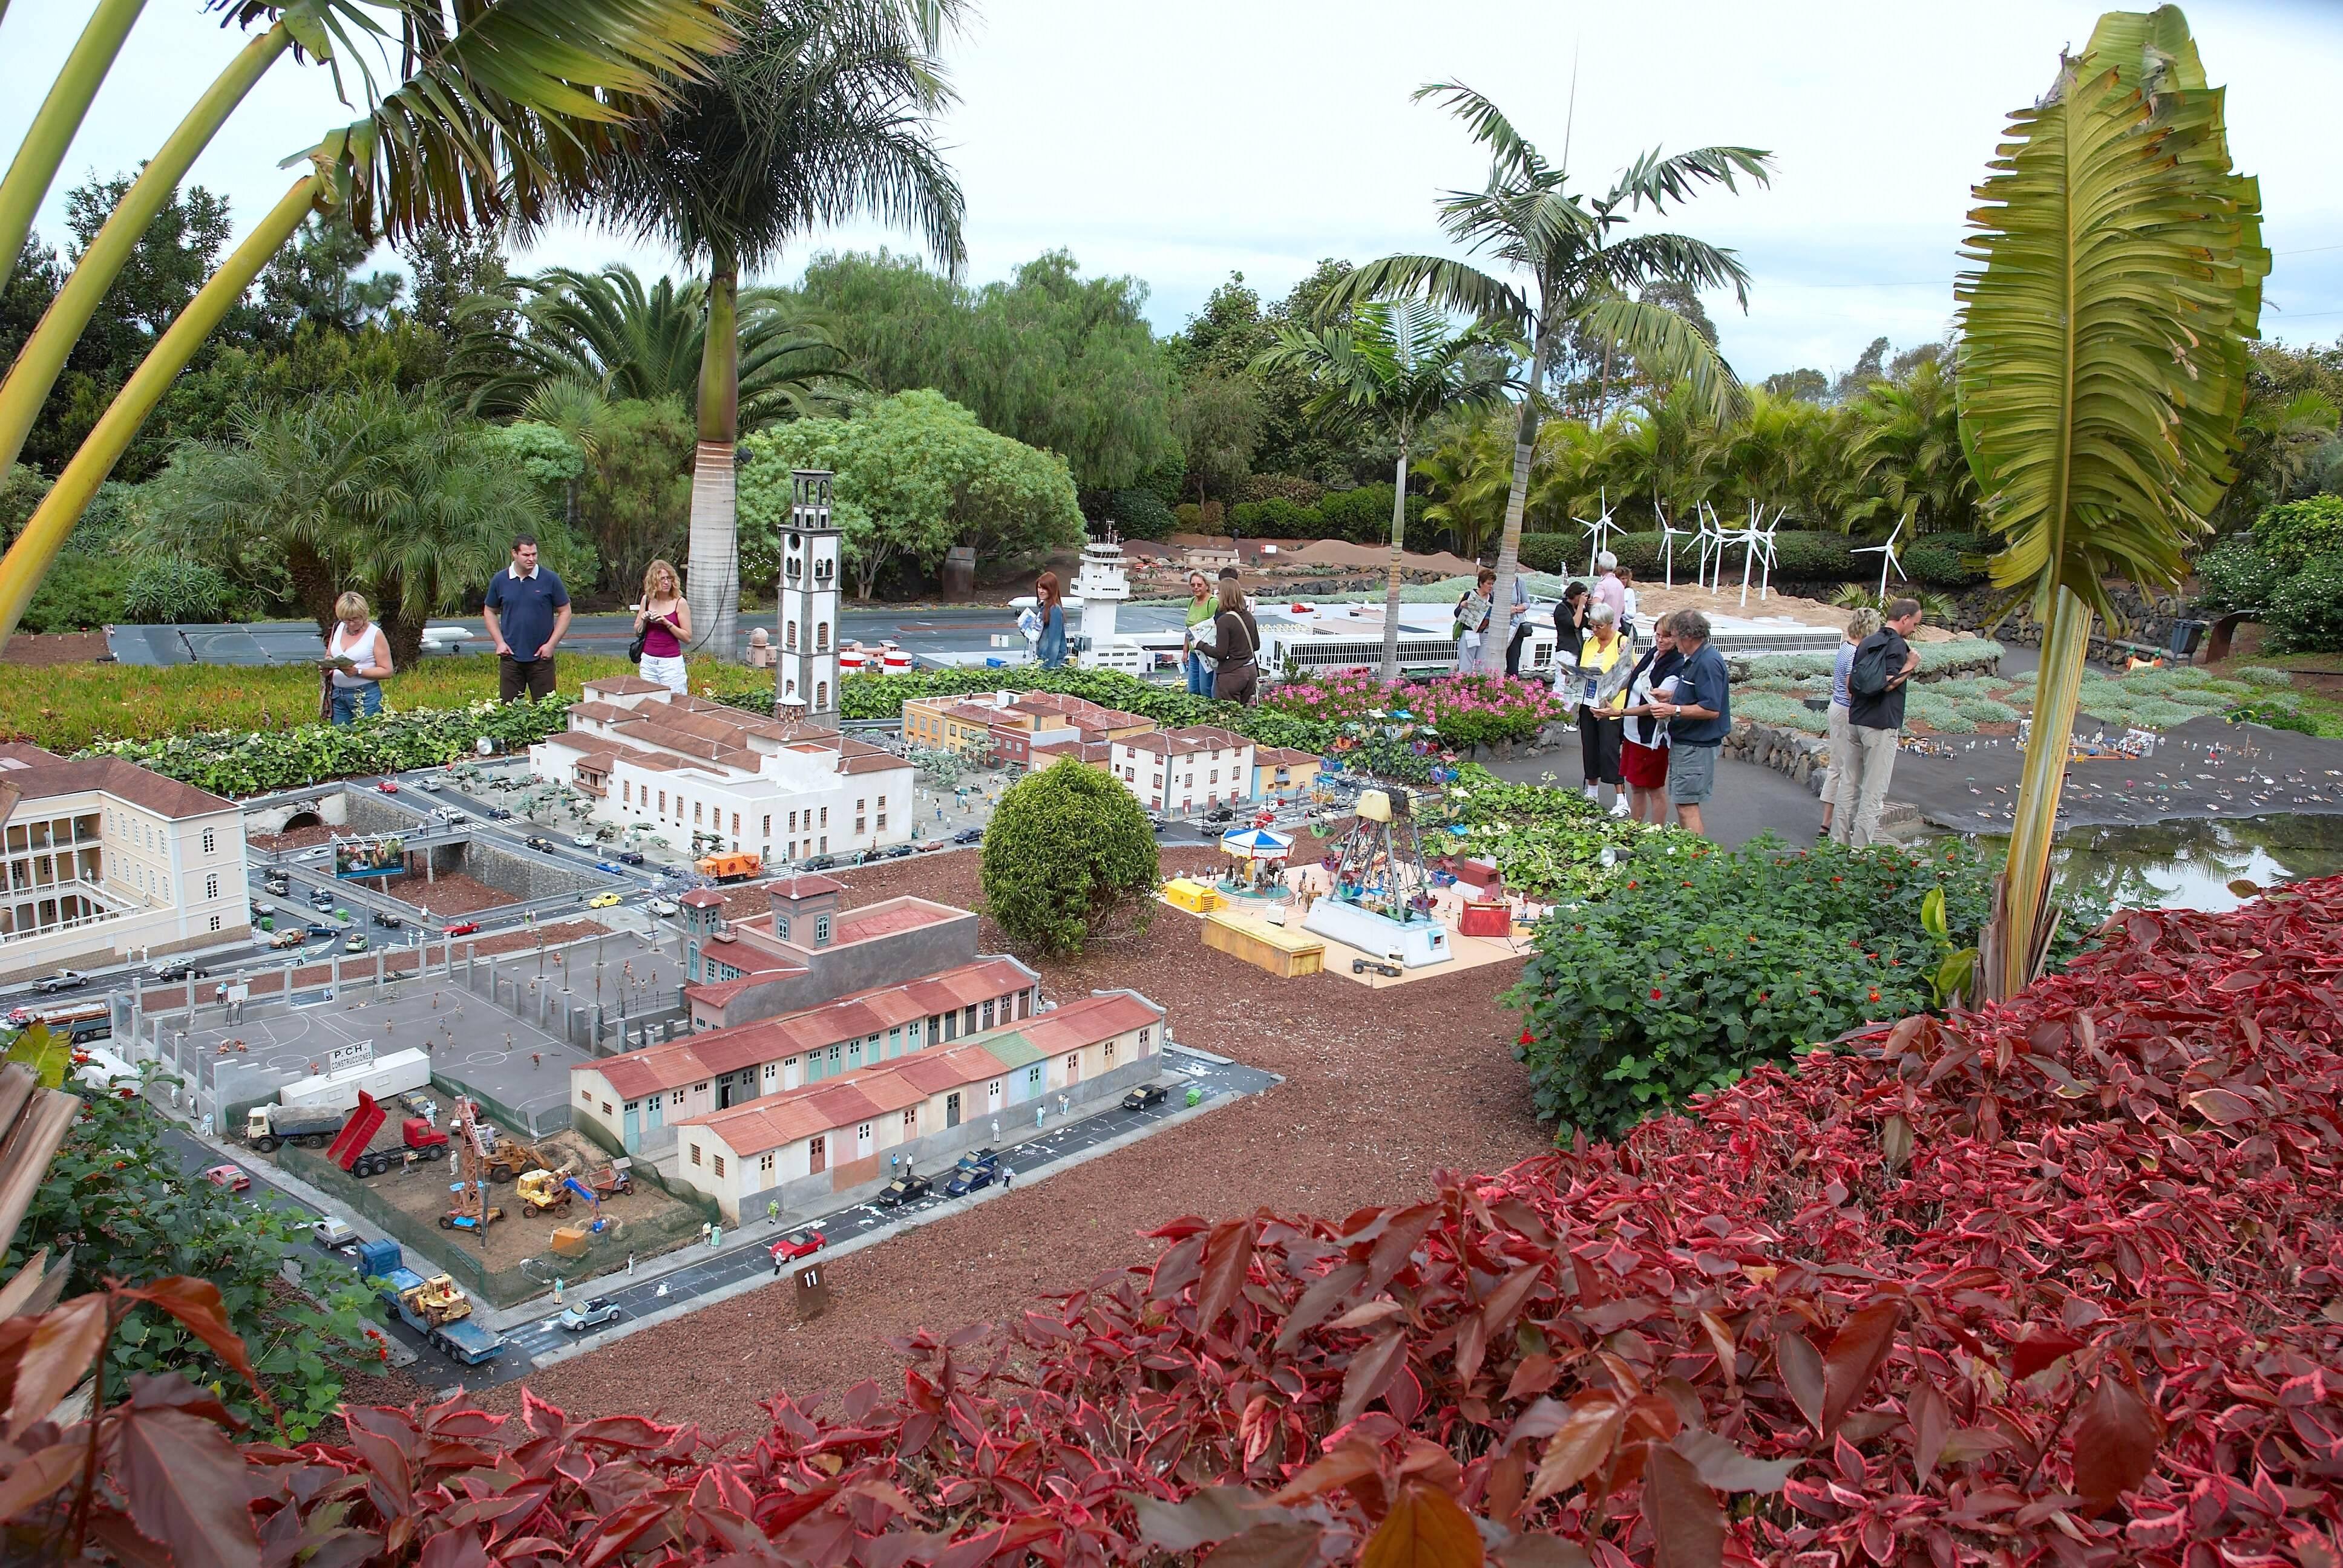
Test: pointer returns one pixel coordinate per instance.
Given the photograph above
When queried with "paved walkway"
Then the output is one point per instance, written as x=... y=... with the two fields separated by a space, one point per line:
x=1749 y=799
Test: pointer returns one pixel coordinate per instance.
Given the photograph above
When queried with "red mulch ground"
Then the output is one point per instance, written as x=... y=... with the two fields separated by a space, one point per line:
x=55 y=647
x=1381 y=1088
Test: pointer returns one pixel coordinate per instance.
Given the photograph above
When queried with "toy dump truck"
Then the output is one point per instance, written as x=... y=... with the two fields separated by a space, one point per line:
x=362 y=1148
x=729 y=868
x=267 y=1126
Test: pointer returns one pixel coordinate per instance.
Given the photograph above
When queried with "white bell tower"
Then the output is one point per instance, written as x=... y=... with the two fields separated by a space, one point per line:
x=805 y=673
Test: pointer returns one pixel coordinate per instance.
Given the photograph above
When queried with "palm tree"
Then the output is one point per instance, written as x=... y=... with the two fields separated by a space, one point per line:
x=1669 y=454
x=1904 y=459
x=2280 y=440
x=1468 y=468
x=388 y=493
x=1397 y=367
x=503 y=105
x=826 y=113
x=2102 y=372
x=608 y=329
x=1572 y=272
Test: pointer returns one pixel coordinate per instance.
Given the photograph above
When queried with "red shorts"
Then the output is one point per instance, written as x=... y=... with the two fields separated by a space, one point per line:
x=1643 y=767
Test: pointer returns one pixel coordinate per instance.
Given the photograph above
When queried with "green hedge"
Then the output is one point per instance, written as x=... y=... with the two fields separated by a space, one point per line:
x=1939 y=561
x=1361 y=516
x=236 y=763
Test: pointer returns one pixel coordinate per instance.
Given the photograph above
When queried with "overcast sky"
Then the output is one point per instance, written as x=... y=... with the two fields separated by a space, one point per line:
x=1178 y=145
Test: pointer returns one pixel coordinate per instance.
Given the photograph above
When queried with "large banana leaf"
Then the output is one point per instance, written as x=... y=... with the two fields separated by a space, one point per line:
x=2101 y=374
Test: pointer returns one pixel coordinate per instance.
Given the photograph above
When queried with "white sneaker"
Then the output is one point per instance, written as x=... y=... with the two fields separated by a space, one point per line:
x=1619 y=807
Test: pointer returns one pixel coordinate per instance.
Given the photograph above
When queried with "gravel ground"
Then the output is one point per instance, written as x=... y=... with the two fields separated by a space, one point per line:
x=451 y=893
x=1372 y=1104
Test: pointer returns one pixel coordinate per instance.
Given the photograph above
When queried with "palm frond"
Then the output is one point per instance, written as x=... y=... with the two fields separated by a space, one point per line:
x=1642 y=259
x=1673 y=350
x=2103 y=365
x=1654 y=181
x=1453 y=285
x=1509 y=156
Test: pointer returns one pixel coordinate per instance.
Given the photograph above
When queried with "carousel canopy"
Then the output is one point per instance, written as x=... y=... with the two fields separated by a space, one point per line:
x=1256 y=844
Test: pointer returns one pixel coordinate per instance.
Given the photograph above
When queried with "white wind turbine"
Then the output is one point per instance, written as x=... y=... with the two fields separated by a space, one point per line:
x=1758 y=537
x=1711 y=546
x=1595 y=529
x=1887 y=558
x=1669 y=535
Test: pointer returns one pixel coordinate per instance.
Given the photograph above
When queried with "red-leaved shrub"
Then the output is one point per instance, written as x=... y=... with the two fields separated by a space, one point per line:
x=2053 y=1282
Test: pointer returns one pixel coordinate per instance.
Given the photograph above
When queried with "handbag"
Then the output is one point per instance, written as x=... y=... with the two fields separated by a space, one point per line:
x=635 y=648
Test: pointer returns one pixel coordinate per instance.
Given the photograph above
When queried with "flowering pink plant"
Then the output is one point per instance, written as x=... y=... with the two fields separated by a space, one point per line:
x=1467 y=709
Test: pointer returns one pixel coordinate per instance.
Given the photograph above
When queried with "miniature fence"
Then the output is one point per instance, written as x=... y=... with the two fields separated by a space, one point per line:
x=432 y=1250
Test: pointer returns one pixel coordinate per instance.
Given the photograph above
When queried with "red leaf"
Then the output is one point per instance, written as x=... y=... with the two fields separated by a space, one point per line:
x=1324 y=1294
x=1424 y=1529
x=1398 y=1243
x=1931 y=1421
x=1725 y=1466
x=1686 y=1522
x=2115 y=1443
x=60 y=1352
x=1802 y=1374
x=2038 y=1350
x=197 y=1306
x=1346 y=1465
x=1228 y=1253
x=1290 y=1544
x=1582 y=1446
x=185 y=1484
x=39 y=1475
x=1371 y=1373
x=1853 y=1358
x=2221 y=1106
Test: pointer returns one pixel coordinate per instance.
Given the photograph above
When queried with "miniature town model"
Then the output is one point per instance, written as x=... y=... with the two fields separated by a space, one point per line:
x=105 y=861
x=1381 y=901
x=829 y=1043
x=703 y=775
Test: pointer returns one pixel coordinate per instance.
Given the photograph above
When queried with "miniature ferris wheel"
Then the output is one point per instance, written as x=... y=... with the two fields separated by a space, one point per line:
x=1378 y=866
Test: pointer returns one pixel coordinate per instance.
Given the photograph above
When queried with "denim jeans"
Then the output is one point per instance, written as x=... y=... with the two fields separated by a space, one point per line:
x=1200 y=679
x=350 y=702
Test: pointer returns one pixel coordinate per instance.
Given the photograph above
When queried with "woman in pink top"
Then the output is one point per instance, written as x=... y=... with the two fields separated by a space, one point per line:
x=663 y=620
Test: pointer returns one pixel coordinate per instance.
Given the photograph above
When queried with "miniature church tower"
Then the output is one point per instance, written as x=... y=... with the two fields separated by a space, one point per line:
x=805 y=671
x=1100 y=584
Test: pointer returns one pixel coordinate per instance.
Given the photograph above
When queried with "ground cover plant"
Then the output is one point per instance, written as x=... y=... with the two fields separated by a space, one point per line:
x=1685 y=966
x=1775 y=690
x=1548 y=843
x=1466 y=710
x=67 y=707
x=2044 y=1284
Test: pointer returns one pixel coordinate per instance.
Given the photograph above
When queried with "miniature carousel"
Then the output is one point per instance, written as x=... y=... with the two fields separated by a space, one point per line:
x=1381 y=901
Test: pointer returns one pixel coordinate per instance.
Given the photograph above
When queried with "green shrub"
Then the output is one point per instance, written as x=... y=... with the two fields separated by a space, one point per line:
x=1291 y=488
x=171 y=589
x=1140 y=514
x=1068 y=856
x=2305 y=612
x=2300 y=532
x=1276 y=519
x=1695 y=964
x=239 y=763
x=81 y=593
x=2237 y=576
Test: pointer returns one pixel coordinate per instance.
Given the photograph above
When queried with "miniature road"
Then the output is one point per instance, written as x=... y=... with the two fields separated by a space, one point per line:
x=746 y=1254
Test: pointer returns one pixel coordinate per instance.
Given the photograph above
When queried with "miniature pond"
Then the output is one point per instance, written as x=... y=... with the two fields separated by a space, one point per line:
x=2189 y=865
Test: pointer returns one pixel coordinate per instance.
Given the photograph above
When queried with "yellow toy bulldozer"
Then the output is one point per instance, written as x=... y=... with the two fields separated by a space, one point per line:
x=543 y=1192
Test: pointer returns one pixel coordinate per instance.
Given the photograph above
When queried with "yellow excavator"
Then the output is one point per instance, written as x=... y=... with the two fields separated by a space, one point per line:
x=543 y=1192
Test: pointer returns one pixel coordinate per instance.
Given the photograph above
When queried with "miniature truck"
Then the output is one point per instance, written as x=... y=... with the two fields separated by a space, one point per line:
x=361 y=1150
x=731 y=868
x=267 y=1126
x=436 y=1307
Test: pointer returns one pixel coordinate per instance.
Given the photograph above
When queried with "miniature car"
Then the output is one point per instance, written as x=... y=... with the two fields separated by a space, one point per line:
x=900 y=851
x=1145 y=1095
x=612 y=866
x=665 y=909
x=320 y=899
x=582 y=841
x=333 y=1234
x=820 y=863
x=932 y=845
x=630 y=858
x=230 y=1178
x=431 y=784
x=903 y=1189
x=388 y=786
x=355 y=942
x=537 y=842
x=797 y=1244
x=969 y=836
x=1361 y=965
x=276 y=886
x=1220 y=814
x=388 y=922
x=498 y=814
x=63 y=980
x=590 y=1314
x=602 y=900
x=980 y=1168
x=176 y=970
x=462 y=929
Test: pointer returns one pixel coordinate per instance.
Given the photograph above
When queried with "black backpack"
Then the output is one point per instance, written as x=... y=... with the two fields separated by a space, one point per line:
x=1870 y=674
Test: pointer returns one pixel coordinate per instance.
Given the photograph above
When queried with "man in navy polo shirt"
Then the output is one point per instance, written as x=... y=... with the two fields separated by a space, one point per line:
x=527 y=612
x=1698 y=720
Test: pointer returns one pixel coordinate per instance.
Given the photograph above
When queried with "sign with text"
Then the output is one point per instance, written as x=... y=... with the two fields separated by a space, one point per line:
x=384 y=857
x=344 y=1057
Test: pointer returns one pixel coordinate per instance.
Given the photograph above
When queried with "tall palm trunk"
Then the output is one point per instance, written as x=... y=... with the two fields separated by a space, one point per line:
x=29 y=558
x=43 y=356
x=1509 y=543
x=2017 y=936
x=1399 y=546
x=714 y=563
x=52 y=131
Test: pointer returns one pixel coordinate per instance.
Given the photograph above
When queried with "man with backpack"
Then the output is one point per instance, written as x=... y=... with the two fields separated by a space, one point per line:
x=1883 y=664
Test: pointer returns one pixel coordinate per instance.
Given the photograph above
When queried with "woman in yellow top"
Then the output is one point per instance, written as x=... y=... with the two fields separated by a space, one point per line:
x=1605 y=662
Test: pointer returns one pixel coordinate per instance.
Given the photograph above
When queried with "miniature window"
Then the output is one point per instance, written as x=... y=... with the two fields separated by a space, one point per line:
x=911 y=1122
x=211 y=887
x=1033 y=1077
x=1143 y=1033
x=695 y=1154
x=719 y=1165
x=765 y=1163
x=822 y=930
x=211 y=842
x=1109 y=1053
x=781 y=927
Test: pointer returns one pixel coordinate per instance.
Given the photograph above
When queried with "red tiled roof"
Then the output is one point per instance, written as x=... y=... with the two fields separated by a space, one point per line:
x=885 y=920
x=1089 y=1021
x=803 y=885
x=702 y=899
x=37 y=775
x=623 y=686
x=1281 y=756
x=775 y=1120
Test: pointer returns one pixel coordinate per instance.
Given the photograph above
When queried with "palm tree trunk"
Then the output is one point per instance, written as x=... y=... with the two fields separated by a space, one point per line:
x=43 y=356
x=715 y=549
x=1509 y=544
x=52 y=131
x=29 y=558
x=2018 y=933
x=1399 y=546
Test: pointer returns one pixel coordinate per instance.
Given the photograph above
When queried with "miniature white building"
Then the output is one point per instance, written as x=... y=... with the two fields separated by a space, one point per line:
x=805 y=674
x=105 y=860
x=1102 y=585
x=1181 y=770
x=699 y=774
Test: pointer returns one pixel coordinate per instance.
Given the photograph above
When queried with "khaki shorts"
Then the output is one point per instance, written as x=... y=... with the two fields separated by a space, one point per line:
x=1691 y=774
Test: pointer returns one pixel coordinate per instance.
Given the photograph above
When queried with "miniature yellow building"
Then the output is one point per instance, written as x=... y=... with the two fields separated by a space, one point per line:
x=1196 y=898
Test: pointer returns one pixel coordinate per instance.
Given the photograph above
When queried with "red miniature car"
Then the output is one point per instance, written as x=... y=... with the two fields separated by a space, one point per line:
x=388 y=786
x=795 y=1245
x=462 y=929
x=231 y=1177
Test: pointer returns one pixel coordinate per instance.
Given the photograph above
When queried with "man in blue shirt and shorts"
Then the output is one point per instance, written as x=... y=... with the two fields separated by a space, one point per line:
x=1698 y=720
x=527 y=612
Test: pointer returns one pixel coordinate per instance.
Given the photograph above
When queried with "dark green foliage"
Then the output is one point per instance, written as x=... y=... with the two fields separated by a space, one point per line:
x=81 y=593
x=1363 y=515
x=234 y=764
x=1799 y=557
x=2287 y=573
x=1695 y=964
x=2307 y=610
x=635 y=501
x=1140 y=514
x=2237 y=574
x=161 y=590
x=1068 y=857
x=116 y=1199
x=1276 y=519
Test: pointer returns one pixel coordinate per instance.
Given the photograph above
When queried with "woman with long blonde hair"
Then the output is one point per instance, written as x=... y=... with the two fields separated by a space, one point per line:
x=662 y=626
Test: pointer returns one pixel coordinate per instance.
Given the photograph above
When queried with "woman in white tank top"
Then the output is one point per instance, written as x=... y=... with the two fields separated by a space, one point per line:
x=357 y=658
